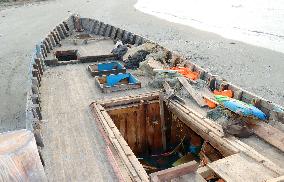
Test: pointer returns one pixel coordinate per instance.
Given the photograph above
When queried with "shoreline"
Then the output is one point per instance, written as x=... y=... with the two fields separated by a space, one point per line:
x=245 y=28
x=255 y=69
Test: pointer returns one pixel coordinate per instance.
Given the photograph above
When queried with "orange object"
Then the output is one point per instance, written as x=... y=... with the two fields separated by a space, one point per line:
x=220 y=180
x=210 y=104
x=228 y=93
x=186 y=72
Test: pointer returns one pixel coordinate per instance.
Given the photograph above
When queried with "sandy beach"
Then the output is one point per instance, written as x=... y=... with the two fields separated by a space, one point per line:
x=254 y=68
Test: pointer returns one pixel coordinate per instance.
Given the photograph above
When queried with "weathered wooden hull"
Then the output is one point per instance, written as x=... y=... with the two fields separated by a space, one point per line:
x=207 y=129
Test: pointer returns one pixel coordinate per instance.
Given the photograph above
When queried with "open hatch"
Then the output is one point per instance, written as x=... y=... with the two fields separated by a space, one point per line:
x=150 y=138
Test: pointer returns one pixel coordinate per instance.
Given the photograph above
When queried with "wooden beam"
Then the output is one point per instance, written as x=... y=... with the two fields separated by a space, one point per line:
x=270 y=134
x=88 y=59
x=123 y=110
x=174 y=172
x=199 y=126
x=195 y=95
x=129 y=99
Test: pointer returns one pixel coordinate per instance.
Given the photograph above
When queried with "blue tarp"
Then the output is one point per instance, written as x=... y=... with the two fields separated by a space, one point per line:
x=109 y=66
x=114 y=79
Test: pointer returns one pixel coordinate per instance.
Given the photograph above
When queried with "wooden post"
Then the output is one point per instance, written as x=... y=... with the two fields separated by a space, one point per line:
x=39 y=66
x=57 y=41
x=65 y=32
x=52 y=41
x=48 y=49
x=60 y=31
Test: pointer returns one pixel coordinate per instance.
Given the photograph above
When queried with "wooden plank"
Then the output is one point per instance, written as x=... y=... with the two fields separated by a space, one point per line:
x=122 y=110
x=163 y=124
x=195 y=95
x=270 y=134
x=240 y=167
x=129 y=99
x=174 y=172
x=115 y=119
x=125 y=159
x=88 y=59
x=254 y=154
x=149 y=129
x=122 y=125
x=131 y=131
x=157 y=140
x=173 y=129
x=141 y=128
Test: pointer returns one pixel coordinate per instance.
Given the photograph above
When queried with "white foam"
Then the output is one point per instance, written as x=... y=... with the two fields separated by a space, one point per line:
x=259 y=23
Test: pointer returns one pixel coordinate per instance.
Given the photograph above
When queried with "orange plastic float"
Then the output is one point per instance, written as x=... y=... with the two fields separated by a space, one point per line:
x=210 y=104
x=228 y=93
x=186 y=72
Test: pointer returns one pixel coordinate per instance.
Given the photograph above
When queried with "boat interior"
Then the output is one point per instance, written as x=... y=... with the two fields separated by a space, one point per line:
x=95 y=127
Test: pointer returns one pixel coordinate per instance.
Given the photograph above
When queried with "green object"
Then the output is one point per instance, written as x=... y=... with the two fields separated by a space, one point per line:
x=221 y=98
x=184 y=159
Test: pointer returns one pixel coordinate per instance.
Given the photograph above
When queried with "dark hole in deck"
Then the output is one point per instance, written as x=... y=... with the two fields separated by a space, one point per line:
x=66 y=55
x=140 y=125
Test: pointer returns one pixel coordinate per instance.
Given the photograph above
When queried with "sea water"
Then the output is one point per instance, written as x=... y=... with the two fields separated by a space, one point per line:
x=257 y=22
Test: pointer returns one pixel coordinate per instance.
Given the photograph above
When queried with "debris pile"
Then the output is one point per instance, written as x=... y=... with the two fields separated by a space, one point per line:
x=119 y=50
x=133 y=61
x=148 y=56
x=162 y=76
x=147 y=47
x=149 y=66
x=150 y=60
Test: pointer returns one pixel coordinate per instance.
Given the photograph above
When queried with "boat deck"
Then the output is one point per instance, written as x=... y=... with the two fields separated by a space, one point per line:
x=74 y=148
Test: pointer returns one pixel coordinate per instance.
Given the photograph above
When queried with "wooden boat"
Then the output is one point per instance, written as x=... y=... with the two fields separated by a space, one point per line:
x=135 y=134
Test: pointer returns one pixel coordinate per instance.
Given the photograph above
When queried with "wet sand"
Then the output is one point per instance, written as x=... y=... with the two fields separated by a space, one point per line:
x=256 y=69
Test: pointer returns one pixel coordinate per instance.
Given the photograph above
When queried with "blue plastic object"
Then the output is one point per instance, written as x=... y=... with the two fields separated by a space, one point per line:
x=243 y=108
x=114 y=79
x=194 y=149
x=109 y=66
